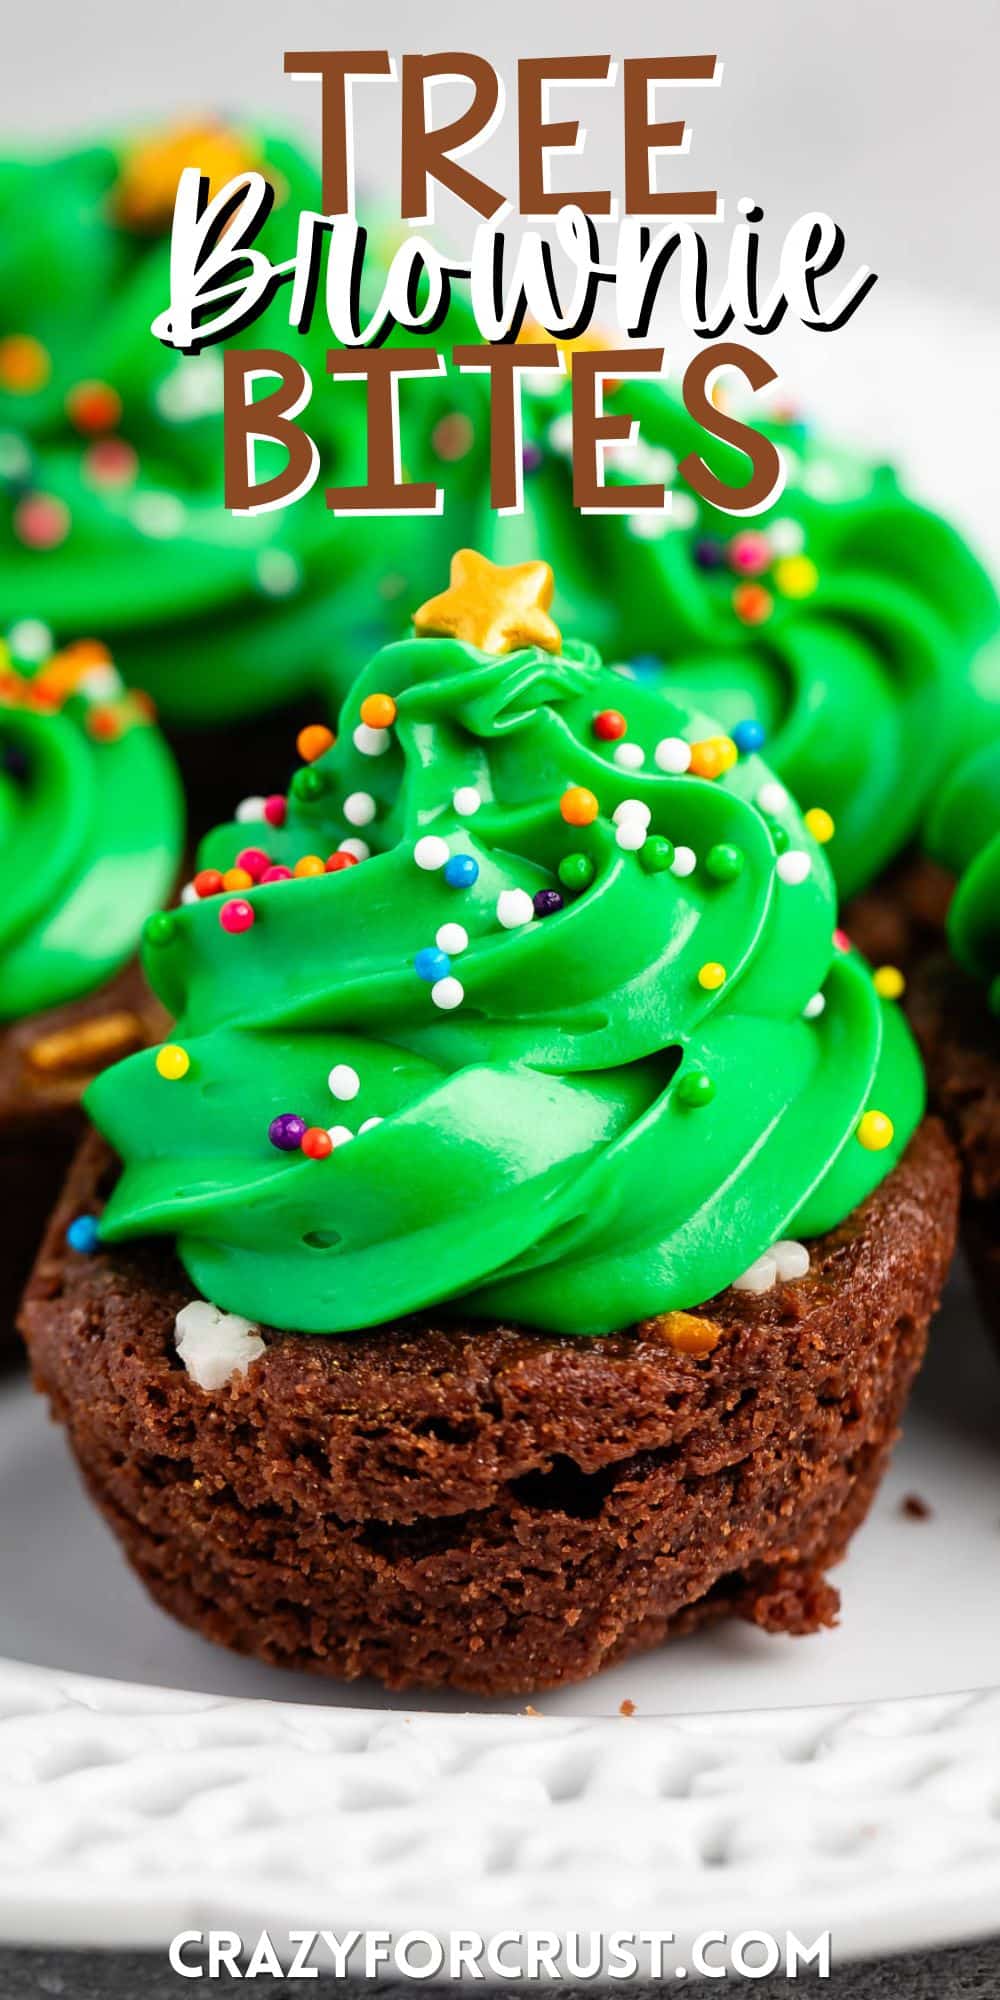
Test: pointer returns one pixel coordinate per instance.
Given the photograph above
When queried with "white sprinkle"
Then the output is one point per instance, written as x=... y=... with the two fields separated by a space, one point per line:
x=359 y=848
x=685 y=861
x=467 y=801
x=514 y=907
x=344 y=1081
x=215 y=1345
x=631 y=833
x=431 y=851
x=277 y=572
x=787 y=538
x=794 y=865
x=158 y=515
x=684 y=513
x=368 y=1125
x=452 y=938
x=371 y=742
x=772 y=797
x=791 y=1258
x=759 y=1276
x=673 y=754
x=448 y=993
x=30 y=639
x=100 y=683
x=648 y=525
x=340 y=1134
x=629 y=756
x=250 y=809
x=189 y=893
x=561 y=435
x=359 y=808
x=814 y=1007
x=632 y=809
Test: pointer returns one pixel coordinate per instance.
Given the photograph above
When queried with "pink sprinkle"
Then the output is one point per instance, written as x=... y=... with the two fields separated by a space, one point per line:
x=41 y=521
x=841 y=940
x=750 y=552
x=276 y=874
x=237 y=916
x=276 y=809
x=254 y=861
x=111 y=462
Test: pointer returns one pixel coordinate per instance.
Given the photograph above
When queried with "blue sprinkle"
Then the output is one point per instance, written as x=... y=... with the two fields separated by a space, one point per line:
x=82 y=1235
x=646 y=666
x=748 y=736
x=461 y=871
x=432 y=964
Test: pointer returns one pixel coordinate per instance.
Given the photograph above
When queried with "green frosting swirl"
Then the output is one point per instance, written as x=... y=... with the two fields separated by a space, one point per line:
x=963 y=833
x=215 y=614
x=859 y=668
x=90 y=842
x=594 y=1132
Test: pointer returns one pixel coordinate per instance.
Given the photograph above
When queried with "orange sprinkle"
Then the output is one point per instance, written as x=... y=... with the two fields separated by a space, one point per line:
x=578 y=806
x=752 y=603
x=24 y=364
x=310 y=864
x=105 y=725
x=378 y=711
x=712 y=756
x=313 y=740
x=237 y=878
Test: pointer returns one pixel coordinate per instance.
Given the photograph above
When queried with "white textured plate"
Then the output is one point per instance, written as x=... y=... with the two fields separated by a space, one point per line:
x=851 y=1782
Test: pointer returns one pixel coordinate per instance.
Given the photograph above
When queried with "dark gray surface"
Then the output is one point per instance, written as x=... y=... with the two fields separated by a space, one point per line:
x=970 y=1972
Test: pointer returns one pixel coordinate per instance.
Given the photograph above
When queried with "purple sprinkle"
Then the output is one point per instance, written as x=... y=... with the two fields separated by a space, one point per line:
x=547 y=902
x=709 y=554
x=531 y=457
x=286 y=1131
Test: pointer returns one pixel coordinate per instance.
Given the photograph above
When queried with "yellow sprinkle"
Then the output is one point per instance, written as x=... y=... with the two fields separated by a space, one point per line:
x=711 y=975
x=876 y=1131
x=820 y=824
x=796 y=576
x=172 y=1061
x=889 y=983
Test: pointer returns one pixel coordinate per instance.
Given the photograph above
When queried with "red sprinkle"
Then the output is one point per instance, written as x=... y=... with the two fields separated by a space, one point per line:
x=276 y=873
x=316 y=1142
x=841 y=940
x=208 y=882
x=276 y=809
x=338 y=861
x=237 y=916
x=609 y=725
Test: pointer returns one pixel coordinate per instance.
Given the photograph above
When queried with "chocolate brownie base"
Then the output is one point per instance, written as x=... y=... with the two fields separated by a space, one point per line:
x=484 y=1507
x=902 y=916
x=46 y=1062
x=960 y=1042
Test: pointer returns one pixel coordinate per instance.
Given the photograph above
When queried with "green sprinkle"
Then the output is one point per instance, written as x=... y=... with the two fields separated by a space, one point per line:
x=160 y=927
x=576 y=871
x=724 y=863
x=656 y=854
x=309 y=783
x=695 y=1088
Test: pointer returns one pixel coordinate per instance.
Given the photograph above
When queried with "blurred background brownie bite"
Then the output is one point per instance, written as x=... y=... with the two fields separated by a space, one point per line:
x=91 y=830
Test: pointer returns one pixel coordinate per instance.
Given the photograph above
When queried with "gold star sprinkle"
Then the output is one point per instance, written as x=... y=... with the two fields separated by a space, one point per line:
x=150 y=170
x=495 y=606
